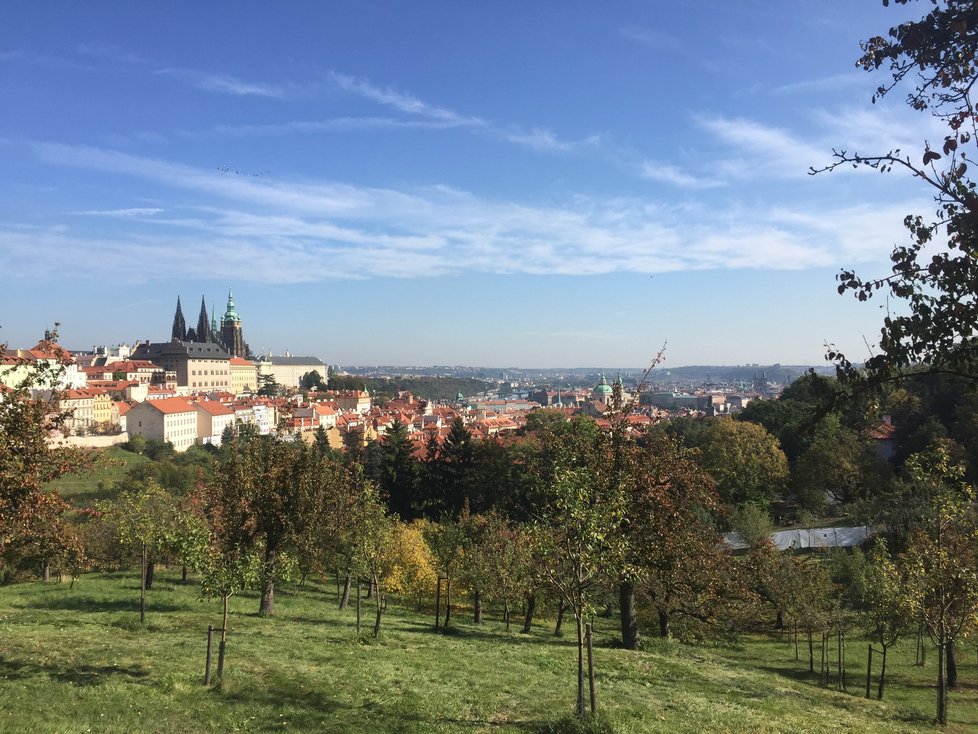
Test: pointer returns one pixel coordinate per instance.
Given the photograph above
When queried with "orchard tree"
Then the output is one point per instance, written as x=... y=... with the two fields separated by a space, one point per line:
x=28 y=458
x=940 y=564
x=373 y=555
x=145 y=518
x=414 y=574
x=580 y=521
x=934 y=274
x=673 y=512
x=267 y=482
x=446 y=539
x=889 y=608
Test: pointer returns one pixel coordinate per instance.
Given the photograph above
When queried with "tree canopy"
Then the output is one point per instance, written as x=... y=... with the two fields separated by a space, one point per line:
x=933 y=277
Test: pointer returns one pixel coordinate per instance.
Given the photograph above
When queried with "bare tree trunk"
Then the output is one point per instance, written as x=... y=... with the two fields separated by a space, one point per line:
x=531 y=605
x=477 y=607
x=560 y=618
x=267 y=605
x=579 y=710
x=630 y=638
x=438 y=604
x=590 y=669
x=224 y=618
x=345 y=599
x=150 y=569
x=448 y=601
x=879 y=690
x=941 y=687
x=951 y=666
x=506 y=613
x=811 y=653
x=358 y=605
x=665 y=629
x=380 y=607
x=183 y=574
x=142 y=586
x=46 y=572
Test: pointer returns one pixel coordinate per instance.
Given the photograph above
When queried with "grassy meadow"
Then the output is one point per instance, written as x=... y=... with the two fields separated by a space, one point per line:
x=110 y=465
x=77 y=659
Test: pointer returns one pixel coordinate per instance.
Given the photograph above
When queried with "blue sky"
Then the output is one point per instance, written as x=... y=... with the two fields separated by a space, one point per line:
x=504 y=184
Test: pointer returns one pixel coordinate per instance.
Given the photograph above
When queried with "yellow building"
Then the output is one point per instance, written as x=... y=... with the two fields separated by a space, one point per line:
x=244 y=375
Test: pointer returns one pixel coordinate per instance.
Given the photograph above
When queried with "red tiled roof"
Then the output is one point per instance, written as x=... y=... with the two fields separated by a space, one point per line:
x=170 y=406
x=213 y=407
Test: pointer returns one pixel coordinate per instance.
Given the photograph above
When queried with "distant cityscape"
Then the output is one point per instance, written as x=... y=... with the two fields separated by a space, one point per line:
x=204 y=381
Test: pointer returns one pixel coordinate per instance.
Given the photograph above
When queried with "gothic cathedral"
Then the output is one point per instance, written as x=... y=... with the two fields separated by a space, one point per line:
x=228 y=335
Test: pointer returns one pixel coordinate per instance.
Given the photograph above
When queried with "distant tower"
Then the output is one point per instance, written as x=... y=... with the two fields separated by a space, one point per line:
x=231 y=333
x=179 y=325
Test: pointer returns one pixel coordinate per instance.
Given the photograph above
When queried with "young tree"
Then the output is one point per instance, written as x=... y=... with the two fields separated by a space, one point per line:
x=373 y=555
x=940 y=564
x=414 y=574
x=888 y=606
x=579 y=524
x=145 y=518
x=446 y=539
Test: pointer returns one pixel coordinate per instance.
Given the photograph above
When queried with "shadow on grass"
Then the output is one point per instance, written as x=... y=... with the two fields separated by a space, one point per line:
x=468 y=631
x=800 y=674
x=311 y=708
x=79 y=675
x=79 y=603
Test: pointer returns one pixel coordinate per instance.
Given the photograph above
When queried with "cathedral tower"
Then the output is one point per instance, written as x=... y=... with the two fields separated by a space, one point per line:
x=203 y=325
x=231 y=333
x=179 y=325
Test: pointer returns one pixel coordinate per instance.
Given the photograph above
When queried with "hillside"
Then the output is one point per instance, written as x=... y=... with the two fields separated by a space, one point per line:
x=76 y=659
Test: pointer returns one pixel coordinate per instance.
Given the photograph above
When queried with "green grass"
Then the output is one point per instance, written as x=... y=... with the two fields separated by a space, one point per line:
x=75 y=660
x=87 y=488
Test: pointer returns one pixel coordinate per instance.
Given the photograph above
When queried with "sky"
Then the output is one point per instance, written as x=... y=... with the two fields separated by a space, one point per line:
x=501 y=184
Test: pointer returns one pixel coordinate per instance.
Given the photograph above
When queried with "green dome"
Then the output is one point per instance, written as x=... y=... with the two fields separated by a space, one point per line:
x=602 y=388
x=231 y=314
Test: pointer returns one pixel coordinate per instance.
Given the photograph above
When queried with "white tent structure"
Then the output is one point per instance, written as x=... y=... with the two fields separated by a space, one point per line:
x=809 y=538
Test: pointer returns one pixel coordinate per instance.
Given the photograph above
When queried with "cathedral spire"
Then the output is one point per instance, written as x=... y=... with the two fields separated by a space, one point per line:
x=203 y=326
x=179 y=325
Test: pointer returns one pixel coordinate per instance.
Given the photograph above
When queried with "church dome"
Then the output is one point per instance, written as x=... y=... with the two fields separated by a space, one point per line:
x=230 y=314
x=602 y=391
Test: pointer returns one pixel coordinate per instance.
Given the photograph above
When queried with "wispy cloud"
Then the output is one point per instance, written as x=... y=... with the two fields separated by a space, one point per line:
x=401 y=101
x=832 y=83
x=316 y=127
x=545 y=140
x=670 y=174
x=322 y=230
x=650 y=37
x=122 y=213
x=761 y=150
x=225 y=83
